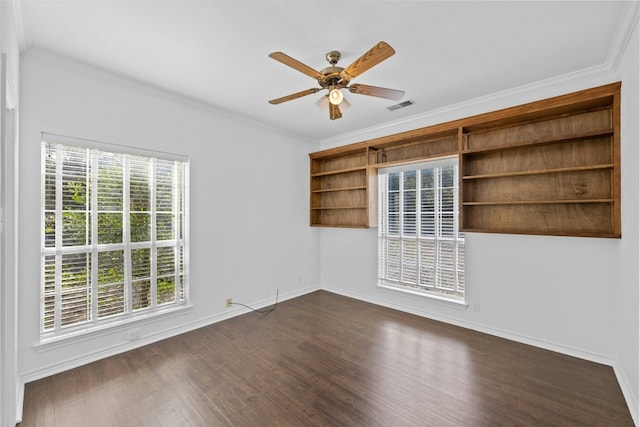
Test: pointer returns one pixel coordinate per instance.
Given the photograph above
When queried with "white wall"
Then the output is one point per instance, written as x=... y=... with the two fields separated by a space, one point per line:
x=8 y=149
x=249 y=226
x=578 y=296
x=626 y=319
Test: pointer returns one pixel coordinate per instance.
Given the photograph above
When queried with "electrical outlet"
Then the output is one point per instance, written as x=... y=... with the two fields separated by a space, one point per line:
x=229 y=302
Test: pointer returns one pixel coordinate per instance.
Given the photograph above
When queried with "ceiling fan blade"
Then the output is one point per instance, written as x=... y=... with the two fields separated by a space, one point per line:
x=380 y=92
x=295 y=64
x=372 y=57
x=334 y=112
x=294 y=96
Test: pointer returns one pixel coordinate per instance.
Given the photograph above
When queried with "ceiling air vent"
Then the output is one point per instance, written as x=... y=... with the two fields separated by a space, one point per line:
x=400 y=105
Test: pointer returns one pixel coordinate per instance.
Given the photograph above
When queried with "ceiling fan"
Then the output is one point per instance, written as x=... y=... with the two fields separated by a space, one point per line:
x=334 y=78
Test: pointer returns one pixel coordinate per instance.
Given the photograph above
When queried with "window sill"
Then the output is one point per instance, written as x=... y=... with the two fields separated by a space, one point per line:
x=438 y=299
x=76 y=336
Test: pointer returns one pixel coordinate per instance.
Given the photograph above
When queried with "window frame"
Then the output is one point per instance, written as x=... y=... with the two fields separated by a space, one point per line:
x=179 y=241
x=384 y=236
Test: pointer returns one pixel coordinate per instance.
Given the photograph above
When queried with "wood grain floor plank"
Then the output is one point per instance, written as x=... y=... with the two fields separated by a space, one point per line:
x=327 y=360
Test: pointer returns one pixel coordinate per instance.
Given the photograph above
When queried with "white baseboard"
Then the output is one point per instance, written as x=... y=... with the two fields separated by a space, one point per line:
x=627 y=392
x=84 y=359
x=19 y=401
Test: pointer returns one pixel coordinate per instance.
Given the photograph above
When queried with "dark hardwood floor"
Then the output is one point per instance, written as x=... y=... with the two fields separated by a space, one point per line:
x=326 y=360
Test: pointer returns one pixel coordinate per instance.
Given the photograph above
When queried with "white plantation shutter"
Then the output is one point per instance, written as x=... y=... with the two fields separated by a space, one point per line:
x=420 y=246
x=75 y=289
x=113 y=235
x=140 y=179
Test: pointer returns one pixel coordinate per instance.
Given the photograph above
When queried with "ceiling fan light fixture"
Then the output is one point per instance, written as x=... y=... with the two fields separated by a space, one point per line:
x=335 y=96
x=323 y=103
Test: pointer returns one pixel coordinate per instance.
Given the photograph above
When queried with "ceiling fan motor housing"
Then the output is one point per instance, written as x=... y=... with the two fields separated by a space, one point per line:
x=331 y=76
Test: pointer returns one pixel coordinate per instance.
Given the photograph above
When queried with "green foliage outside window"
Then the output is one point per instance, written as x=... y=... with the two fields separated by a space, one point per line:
x=80 y=172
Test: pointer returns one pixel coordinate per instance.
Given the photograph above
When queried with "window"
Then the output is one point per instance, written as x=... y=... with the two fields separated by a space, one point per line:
x=420 y=246
x=113 y=235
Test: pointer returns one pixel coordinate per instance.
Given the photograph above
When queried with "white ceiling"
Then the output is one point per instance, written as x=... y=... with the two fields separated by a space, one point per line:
x=216 y=51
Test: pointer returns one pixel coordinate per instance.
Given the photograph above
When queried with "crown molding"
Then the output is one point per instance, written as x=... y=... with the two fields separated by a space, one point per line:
x=626 y=27
x=47 y=57
x=24 y=34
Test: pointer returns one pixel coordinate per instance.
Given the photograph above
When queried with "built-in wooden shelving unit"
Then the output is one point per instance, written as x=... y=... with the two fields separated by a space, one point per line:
x=549 y=167
x=339 y=188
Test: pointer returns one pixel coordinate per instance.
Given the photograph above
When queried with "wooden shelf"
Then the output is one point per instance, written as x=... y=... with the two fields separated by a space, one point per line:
x=415 y=149
x=539 y=172
x=339 y=171
x=537 y=202
x=338 y=225
x=364 y=187
x=338 y=207
x=553 y=140
x=565 y=219
x=412 y=160
x=535 y=232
